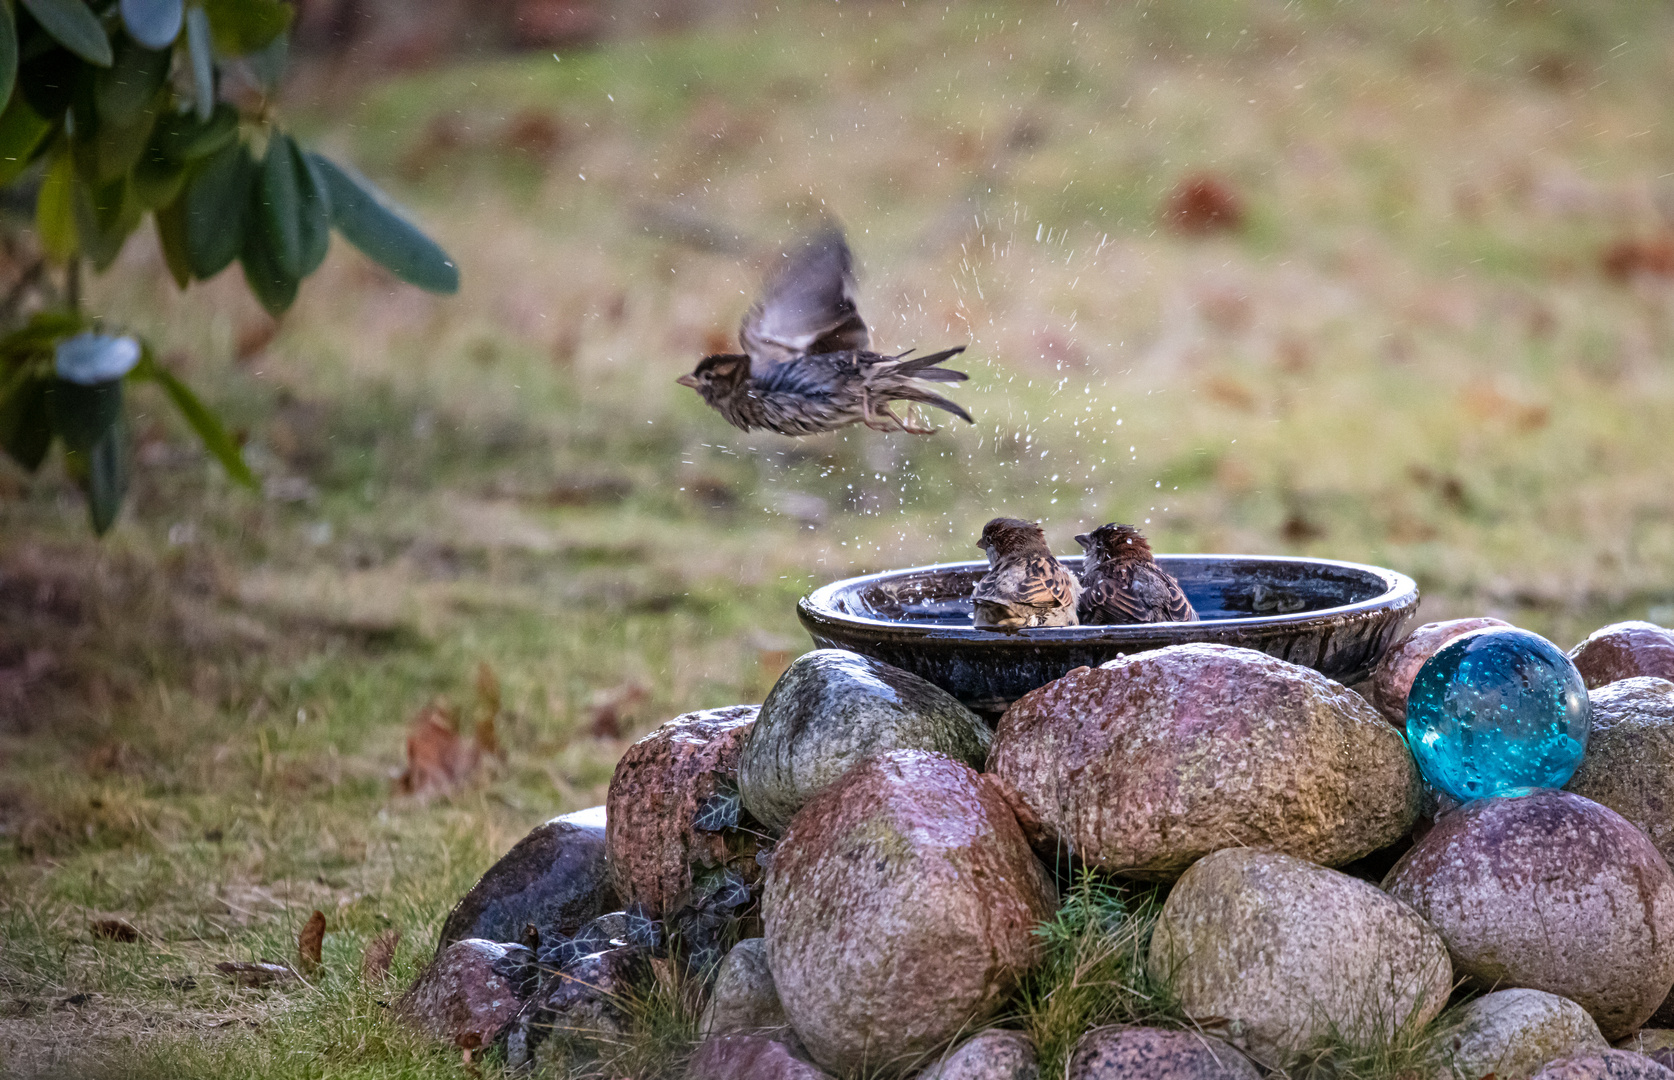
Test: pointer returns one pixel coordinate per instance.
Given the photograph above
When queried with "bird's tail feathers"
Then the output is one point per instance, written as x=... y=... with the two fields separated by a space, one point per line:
x=930 y=397
x=917 y=366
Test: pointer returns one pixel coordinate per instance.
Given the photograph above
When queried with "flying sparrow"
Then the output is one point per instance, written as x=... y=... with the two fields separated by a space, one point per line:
x=1122 y=583
x=1025 y=586
x=806 y=367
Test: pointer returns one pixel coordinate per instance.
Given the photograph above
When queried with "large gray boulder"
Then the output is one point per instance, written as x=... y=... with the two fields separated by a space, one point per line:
x=1286 y=952
x=1629 y=765
x=900 y=910
x=1147 y=1053
x=744 y=997
x=1513 y=1034
x=748 y=1057
x=1147 y=764
x=832 y=709
x=555 y=879
x=1552 y=892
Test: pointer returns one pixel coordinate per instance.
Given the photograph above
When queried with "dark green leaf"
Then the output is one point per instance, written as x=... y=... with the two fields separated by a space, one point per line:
x=153 y=23
x=73 y=25
x=370 y=221
x=184 y=137
x=217 y=204
x=719 y=811
x=55 y=211
x=110 y=150
x=275 y=288
x=171 y=234
x=25 y=421
x=127 y=89
x=104 y=215
x=8 y=56
x=279 y=205
x=156 y=180
x=243 y=26
x=315 y=215
x=82 y=414
x=202 y=54
x=209 y=429
x=21 y=133
x=49 y=81
x=102 y=472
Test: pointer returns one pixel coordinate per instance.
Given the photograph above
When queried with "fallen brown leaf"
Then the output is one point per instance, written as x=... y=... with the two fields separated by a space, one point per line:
x=310 y=942
x=115 y=930
x=1204 y=203
x=438 y=760
x=380 y=953
x=255 y=972
x=611 y=707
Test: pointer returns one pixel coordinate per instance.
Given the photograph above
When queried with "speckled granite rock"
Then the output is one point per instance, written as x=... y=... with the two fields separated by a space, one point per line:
x=748 y=1057
x=471 y=993
x=1147 y=1053
x=995 y=1054
x=1629 y=765
x=1392 y=678
x=832 y=709
x=1512 y=1034
x=900 y=908
x=654 y=797
x=1146 y=764
x=1552 y=892
x=744 y=997
x=1625 y=650
x=555 y=879
x=1606 y=1065
x=1284 y=950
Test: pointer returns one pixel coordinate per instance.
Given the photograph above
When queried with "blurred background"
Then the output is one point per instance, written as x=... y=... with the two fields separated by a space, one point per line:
x=1380 y=282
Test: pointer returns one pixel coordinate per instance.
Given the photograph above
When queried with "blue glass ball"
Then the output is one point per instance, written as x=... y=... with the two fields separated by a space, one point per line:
x=1498 y=712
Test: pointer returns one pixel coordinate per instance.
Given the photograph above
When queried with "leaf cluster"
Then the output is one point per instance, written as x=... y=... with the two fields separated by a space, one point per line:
x=114 y=111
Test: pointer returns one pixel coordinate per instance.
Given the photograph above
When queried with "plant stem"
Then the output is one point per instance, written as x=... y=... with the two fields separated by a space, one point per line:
x=72 y=285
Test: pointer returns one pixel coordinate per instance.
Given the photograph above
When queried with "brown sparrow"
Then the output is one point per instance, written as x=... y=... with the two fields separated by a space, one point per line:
x=1025 y=586
x=1122 y=583
x=806 y=367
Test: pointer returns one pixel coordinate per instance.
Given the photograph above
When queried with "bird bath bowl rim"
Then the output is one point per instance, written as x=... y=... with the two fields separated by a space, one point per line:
x=987 y=669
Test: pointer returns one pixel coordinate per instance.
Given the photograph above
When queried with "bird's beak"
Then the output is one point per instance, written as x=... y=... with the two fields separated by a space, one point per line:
x=688 y=380
x=1083 y=539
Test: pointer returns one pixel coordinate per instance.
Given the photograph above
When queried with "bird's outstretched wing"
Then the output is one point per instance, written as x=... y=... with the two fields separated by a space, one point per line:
x=808 y=306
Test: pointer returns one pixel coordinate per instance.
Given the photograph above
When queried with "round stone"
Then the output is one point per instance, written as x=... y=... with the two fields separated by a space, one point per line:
x=1606 y=1065
x=555 y=879
x=1629 y=765
x=1512 y=1034
x=1625 y=650
x=1144 y=765
x=900 y=908
x=1497 y=712
x=1287 y=953
x=995 y=1054
x=1553 y=892
x=1392 y=678
x=1147 y=1053
x=832 y=709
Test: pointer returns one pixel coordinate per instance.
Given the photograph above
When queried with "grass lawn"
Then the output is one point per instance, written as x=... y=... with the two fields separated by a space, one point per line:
x=1411 y=354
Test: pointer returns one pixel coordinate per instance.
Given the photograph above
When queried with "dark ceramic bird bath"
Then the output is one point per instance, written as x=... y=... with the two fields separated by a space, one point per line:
x=1335 y=617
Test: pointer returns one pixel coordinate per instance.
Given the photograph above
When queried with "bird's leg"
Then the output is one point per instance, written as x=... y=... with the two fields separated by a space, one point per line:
x=869 y=413
x=911 y=425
